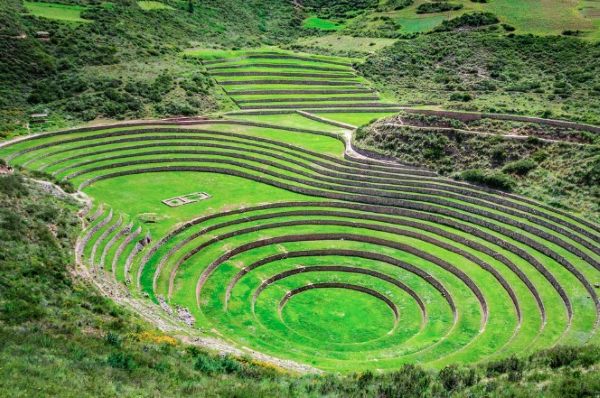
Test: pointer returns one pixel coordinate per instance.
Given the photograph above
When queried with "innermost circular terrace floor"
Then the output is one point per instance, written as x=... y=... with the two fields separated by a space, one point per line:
x=338 y=315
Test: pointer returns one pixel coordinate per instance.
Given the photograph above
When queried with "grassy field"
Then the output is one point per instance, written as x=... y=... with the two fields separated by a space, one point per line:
x=278 y=80
x=302 y=249
x=59 y=12
x=343 y=43
x=529 y=16
x=153 y=5
x=320 y=24
x=119 y=353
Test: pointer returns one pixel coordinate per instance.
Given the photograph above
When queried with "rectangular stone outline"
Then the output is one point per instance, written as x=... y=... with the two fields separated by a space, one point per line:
x=186 y=199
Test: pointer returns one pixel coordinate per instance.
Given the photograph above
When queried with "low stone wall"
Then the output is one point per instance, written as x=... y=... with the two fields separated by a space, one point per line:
x=274 y=55
x=337 y=268
x=301 y=100
x=121 y=249
x=88 y=235
x=378 y=105
x=274 y=65
x=341 y=285
x=289 y=82
x=470 y=116
x=102 y=238
x=439 y=200
x=122 y=232
x=420 y=226
x=286 y=74
x=347 y=237
x=362 y=90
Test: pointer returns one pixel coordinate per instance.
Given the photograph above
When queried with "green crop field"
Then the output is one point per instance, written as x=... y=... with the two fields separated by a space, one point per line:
x=153 y=5
x=320 y=24
x=266 y=230
x=60 y=12
x=270 y=81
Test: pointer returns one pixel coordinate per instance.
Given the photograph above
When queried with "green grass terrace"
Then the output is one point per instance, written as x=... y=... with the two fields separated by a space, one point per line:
x=262 y=81
x=274 y=236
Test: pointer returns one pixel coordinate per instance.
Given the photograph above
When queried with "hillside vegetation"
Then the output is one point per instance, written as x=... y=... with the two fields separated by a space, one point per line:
x=551 y=77
x=127 y=62
x=558 y=166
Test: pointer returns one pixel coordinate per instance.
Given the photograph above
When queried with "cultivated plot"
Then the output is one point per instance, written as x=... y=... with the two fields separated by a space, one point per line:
x=306 y=252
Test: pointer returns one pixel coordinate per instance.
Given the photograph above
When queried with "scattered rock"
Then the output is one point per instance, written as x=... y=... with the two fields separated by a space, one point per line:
x=163 y=304
x=186 y=316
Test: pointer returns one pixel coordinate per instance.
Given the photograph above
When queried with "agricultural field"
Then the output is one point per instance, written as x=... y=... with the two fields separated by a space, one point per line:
x=59 y=12
x=153 y=5
x=265 y=228
x=338 y=43
x=274 y=198
x=320 y=24
x=529 y=16
x=274 y=82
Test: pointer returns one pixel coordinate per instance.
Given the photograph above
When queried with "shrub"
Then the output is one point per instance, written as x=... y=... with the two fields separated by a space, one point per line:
x=365 y=379
x=434 y=146
x=210 y=364
x=395 y=5
x=437 y=6
x=120 y=360
x=67 y=186
x=473 y=20
x=361 y=133
x=231 y=365
x=454 y=378
x=408 y=382
x=207 y=364
x=499 y=153
x=12 y=185
x=506 y=365
x=493 y=180
x=464 y=97
x=540 y=156
x=561 y=356
x=519 y=167
x=113 y=339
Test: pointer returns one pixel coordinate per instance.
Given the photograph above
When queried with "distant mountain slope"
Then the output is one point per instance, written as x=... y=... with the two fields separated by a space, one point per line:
x=38 y=71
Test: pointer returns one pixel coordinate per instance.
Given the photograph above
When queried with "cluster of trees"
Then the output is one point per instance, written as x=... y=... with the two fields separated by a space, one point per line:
x=438 y=6
x=341 y=9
